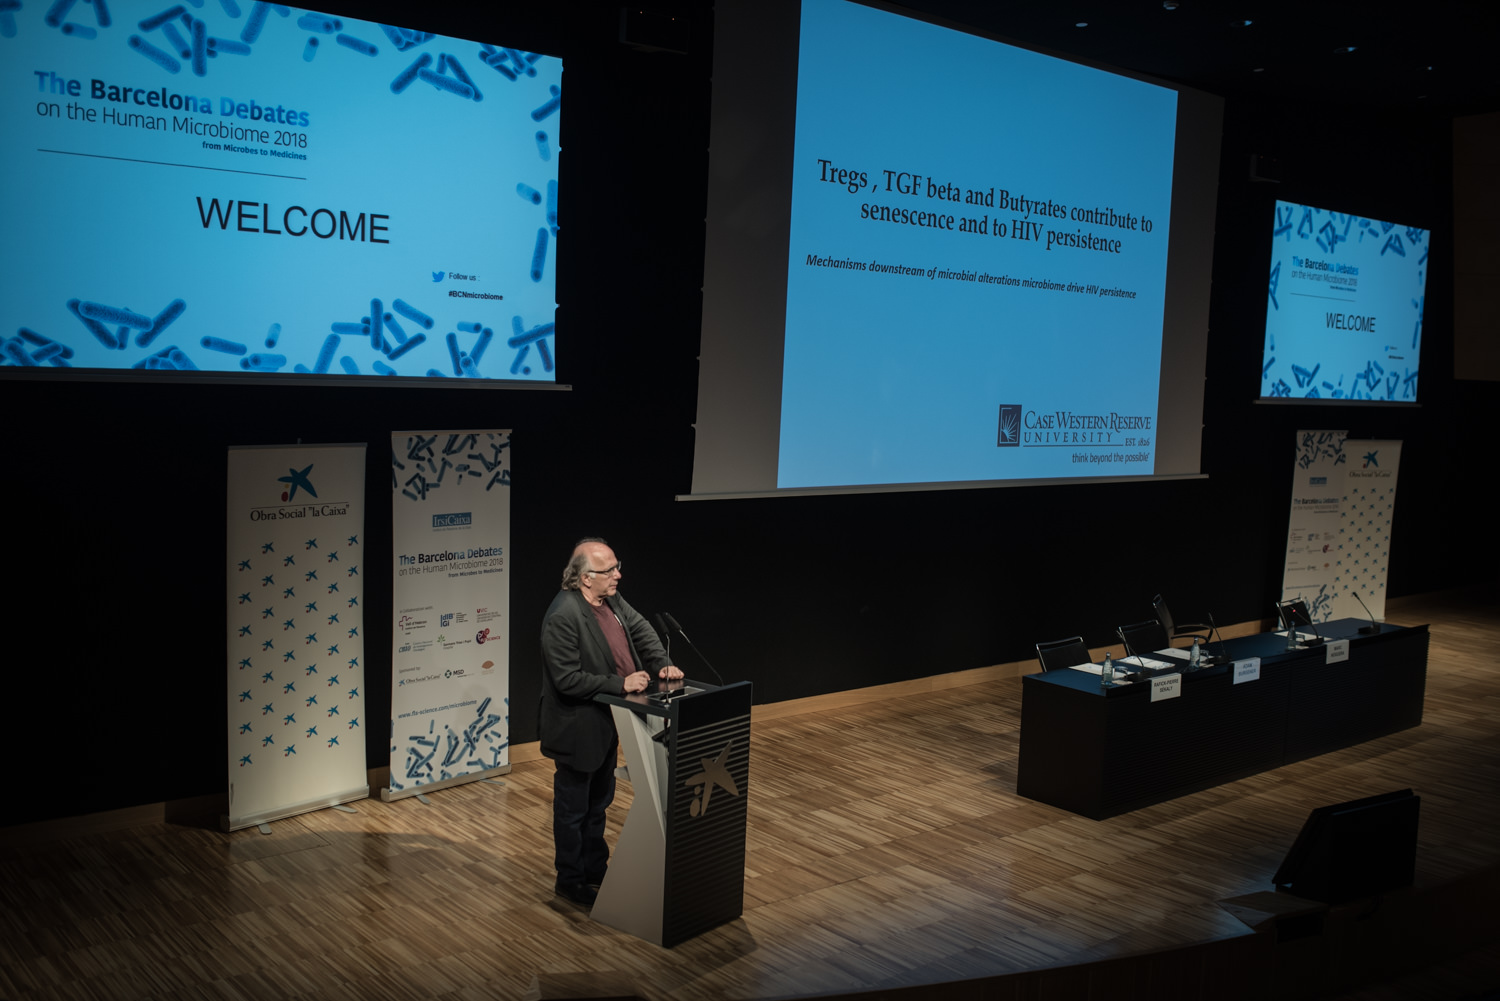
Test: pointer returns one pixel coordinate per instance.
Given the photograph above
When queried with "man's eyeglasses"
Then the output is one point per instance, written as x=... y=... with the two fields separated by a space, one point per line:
x=618 y=568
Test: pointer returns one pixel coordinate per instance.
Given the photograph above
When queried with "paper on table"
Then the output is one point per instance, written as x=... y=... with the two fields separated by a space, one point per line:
x=1150 y=663
x=1098 y=669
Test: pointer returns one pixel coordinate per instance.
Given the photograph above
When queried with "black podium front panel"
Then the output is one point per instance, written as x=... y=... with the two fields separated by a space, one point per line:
x=707 y=810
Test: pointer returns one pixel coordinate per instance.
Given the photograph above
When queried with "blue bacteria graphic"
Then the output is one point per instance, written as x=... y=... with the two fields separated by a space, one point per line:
x=157 y=20
x=451 y=84
x=551 y=106
x=539 y=255
x=406 y=76
x=412 y=313
x=357 y=44
x=165 y=60
x=225 y=346
x=320 y=23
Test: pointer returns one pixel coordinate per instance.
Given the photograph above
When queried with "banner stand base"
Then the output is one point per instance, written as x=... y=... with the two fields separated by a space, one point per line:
x=262 y=820
x=389 y=796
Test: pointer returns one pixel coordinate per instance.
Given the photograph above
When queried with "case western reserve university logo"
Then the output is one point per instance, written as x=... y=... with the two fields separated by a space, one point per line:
x=715 y=773
x=1009 y=435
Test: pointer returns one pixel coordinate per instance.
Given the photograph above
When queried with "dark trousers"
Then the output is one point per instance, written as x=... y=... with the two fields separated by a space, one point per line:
x=579 y=801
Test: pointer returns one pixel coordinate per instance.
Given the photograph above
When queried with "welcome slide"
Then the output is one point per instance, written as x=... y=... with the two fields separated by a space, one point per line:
x=252 y=188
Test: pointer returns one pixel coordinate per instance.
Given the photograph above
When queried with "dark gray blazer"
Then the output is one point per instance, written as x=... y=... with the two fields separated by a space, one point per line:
x=576 y=666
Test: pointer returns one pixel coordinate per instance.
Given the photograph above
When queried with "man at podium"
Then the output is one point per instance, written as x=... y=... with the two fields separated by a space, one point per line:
x=592 y=642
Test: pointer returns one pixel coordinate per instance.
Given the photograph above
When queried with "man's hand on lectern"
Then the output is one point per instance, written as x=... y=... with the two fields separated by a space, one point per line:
x=670 y=673
x=636 y=682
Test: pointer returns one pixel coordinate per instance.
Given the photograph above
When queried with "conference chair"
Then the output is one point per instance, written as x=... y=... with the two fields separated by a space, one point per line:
x=1174 y=631
x=1063 y=653
x=1143 y=637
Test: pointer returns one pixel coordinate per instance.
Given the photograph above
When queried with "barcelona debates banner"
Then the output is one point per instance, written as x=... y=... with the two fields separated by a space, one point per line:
x=450 y=685
x=295 y=576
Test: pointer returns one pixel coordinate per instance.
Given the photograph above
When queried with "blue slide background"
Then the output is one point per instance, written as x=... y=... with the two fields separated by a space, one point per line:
x=1326 y=264
x=105 y=213
x=900 y=379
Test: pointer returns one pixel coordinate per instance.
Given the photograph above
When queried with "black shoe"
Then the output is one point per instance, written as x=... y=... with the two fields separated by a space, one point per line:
x=579 y=893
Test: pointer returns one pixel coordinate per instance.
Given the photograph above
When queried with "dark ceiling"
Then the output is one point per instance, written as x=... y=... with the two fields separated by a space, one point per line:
x=1428 y=57
x=1432 y=55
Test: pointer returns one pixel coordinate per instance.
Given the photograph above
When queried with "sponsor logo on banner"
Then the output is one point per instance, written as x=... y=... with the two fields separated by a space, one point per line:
x=295 y=479
x=445 y=620
x=461 y=519
x=402 y=682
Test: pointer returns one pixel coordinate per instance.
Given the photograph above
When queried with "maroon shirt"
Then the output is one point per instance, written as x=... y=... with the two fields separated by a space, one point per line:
x=614 y=633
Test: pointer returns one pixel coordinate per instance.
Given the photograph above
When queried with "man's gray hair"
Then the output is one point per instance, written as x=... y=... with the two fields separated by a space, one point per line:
x=573 y=572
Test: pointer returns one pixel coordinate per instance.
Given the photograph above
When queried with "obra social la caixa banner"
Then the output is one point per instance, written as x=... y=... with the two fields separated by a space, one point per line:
x=295 y=589
x=450 y=687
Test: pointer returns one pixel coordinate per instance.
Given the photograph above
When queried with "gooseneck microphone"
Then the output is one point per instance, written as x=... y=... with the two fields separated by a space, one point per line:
x=692 y=646
x=1373 y=627
x=1213 y=628
x=666 y=635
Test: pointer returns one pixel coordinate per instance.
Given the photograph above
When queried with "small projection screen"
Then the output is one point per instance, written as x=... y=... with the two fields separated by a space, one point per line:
x=1343 y=308
x=254 y=189
x=937 y=260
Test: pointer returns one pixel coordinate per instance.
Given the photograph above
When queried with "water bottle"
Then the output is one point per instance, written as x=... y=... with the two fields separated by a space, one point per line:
x=1196 y=657
x=1107 y=672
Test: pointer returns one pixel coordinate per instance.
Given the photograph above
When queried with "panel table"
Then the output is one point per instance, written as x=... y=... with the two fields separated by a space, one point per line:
x=1101 y=753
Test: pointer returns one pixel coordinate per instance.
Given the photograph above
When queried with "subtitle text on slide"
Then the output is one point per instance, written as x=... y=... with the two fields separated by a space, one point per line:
x=935 y=273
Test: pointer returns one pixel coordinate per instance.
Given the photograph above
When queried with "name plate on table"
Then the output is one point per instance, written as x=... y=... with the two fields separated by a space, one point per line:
x=1247 y=670
x=1338 y=650
x=1166 y=686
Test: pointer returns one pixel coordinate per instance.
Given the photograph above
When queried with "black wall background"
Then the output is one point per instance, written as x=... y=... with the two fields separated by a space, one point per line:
x=114 y=676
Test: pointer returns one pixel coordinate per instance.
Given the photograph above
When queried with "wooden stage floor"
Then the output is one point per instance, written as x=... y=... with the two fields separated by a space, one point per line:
x=887 y=848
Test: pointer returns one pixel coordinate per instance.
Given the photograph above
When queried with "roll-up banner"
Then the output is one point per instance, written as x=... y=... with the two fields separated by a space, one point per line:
x=1312 y=534
x=1339 y=533
x=450 y=684
x=1365 y=516
x=295 y=574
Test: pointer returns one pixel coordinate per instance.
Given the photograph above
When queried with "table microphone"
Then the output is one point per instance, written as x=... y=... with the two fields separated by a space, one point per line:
x=1214 y=631
x=1373 y=627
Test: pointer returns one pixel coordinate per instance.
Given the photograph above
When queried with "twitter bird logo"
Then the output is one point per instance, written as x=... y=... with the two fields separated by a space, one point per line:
x=437 y=276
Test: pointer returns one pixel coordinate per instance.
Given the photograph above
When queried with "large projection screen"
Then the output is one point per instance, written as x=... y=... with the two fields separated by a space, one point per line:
x=935 y=260
x=266 y=193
